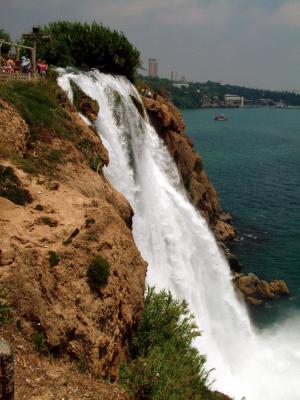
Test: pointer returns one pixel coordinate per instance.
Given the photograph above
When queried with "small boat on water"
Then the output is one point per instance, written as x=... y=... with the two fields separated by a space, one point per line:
x=221 y=117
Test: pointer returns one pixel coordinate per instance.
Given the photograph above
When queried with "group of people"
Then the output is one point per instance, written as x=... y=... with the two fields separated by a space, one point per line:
x=23 y=65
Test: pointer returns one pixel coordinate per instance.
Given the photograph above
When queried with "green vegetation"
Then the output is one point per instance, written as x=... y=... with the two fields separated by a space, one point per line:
x=11 y=187
x=164 y=364
x=87 y=147
x=82 y=366
x=37 y=104
x=49 y=221
x=28 y=164
x=39 y=343
x=4 y=35
x=98 y=271
x=39 y=207
x=89 y=222
x=86 y=45
x=5 y=309
x=199 y=94
x=54 y=258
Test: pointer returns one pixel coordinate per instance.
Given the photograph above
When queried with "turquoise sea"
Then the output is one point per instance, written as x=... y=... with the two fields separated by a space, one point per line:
x=253 y=160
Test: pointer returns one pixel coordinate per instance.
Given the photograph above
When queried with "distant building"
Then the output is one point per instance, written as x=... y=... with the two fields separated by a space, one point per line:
x=234 y=100
x=266 y=102
x=174 y=76
x=181 y=85
x=152 y=67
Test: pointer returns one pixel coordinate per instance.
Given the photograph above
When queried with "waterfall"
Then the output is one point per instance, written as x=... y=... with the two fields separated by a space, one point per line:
x=182 y=253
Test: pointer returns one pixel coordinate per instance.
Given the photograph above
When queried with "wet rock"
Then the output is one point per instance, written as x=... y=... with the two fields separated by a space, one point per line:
x=279 y=287
x=256 y=291
x=233 y=262
x=247 y=284
x=226 y=217
x=264 y=290
x=253 y=301
x=223 y=231
x=85 y=104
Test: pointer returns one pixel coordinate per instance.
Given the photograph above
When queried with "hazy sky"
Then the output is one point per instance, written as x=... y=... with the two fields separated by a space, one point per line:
x=250 y=42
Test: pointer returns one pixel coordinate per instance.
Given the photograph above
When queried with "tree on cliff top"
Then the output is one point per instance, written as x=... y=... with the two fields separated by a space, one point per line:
x=89 y=46
x=4 y=35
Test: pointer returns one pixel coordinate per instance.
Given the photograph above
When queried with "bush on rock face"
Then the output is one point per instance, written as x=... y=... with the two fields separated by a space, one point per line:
x=54 y=258
x=164 y=363
x=98 y=271
x=11 y=187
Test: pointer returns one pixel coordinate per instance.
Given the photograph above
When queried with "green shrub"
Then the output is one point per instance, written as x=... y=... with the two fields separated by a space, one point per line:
x=28 y=164
x=6 y=36
x=87 y=147
x=39 y=343
x=39 y=207
x=5 y=309
x=82 y=366
x=164 y=364
x=11 y=187
x=48 y=221
x=89 y=222
x=98 y=271
x=54 y=258
x=55 y=156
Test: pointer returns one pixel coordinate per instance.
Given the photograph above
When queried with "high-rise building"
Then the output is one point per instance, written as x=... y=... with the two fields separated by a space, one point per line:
x=152 y=67
x=174 y=76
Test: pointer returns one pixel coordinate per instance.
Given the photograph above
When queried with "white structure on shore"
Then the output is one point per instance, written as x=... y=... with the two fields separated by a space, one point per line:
x=234 y=100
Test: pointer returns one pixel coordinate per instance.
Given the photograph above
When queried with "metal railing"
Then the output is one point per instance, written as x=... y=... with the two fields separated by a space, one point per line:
x=19 y=76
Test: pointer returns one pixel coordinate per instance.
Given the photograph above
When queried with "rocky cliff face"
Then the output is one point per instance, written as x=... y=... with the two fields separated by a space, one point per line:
x=169 y=124
x=73 y=215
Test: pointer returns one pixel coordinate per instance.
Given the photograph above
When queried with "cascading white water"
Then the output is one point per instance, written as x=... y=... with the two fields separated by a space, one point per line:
x=182 y=252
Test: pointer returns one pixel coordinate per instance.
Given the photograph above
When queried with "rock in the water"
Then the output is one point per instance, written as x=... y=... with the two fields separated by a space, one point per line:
x=264 y=290
x=279 y=287
x=247 y=284
x=224 y=231
x=257 y=291
x=6 y=371
x=253 y=301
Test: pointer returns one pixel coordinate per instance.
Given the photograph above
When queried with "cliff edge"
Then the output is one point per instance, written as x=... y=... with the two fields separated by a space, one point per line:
x=58 y=213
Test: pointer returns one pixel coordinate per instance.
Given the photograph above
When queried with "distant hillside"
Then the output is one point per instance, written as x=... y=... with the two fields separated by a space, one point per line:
x=210 y=94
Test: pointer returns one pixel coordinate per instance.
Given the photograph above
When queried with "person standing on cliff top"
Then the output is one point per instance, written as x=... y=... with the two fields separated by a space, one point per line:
x=10 y=65
x=25 y=64
x=43 y=68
